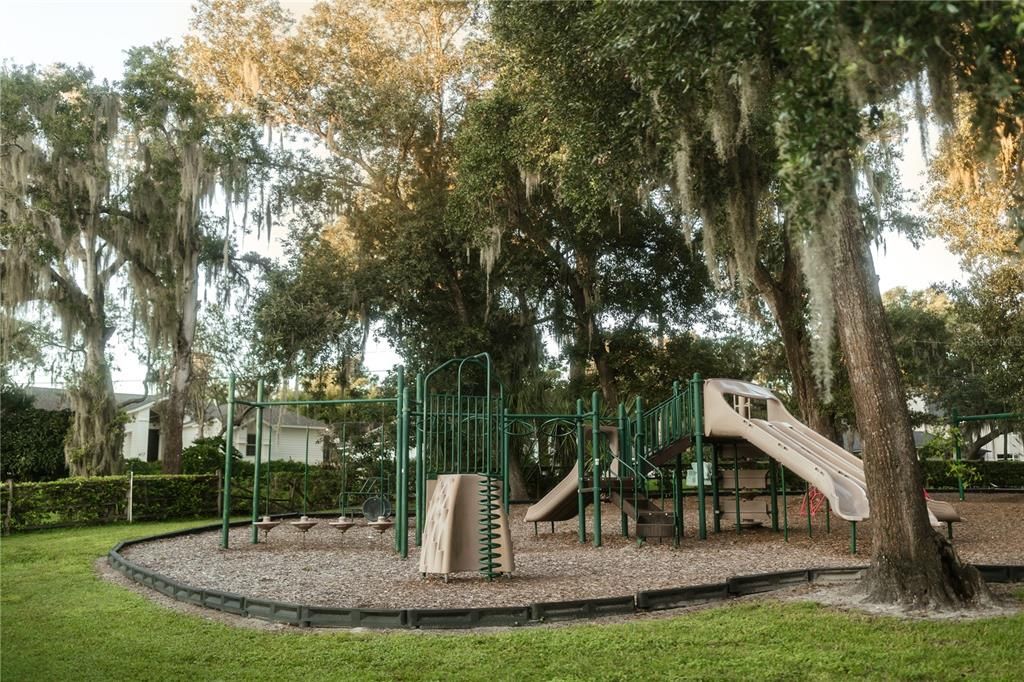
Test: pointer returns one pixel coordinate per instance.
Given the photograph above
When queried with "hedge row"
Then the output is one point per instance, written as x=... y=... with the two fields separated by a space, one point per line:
x=80 y=501
x=86 y=501
x=939 y=474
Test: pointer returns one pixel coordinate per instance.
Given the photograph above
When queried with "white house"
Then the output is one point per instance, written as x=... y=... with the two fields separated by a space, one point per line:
x=287 y=435
x=284 y=431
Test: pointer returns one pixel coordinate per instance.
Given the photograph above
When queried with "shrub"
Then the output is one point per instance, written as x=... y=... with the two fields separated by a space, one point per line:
x=142 y=467
x=206 y=456
x=942 y=474
x=79 y=501
x=33 y=439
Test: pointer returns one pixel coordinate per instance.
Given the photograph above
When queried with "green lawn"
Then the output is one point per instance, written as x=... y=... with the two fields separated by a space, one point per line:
x=61 y=622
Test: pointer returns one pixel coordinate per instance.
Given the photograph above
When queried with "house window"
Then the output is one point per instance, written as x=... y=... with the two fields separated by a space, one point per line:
x=250 y=445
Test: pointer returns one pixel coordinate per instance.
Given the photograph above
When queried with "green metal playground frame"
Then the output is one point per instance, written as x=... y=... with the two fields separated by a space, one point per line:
x=955 y=420
x=464 y=427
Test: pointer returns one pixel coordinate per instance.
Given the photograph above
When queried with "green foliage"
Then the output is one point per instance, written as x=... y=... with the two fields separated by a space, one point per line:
x=206 y=456
x=56 y=219
x=306 y=316
x=942 y=445
x=79 y=501
x=963 y=471
x=941 y=474
x=959 y=348
x=52 y=600
x=141 y=467
x=33 y=440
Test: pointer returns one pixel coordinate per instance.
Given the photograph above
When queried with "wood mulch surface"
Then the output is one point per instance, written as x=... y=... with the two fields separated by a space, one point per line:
x=360 y=568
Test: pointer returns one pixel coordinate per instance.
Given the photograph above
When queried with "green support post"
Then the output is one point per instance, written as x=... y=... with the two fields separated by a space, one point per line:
x=828 y=517
x=504 y=436
x=623 y=457
x=270 y=454
x=697 y=387
x=853 y=537
x=807 y=493
x=639 y=477
x=228 y=441
x=343 y=507
x=957 y=452
x=677 y=412
x=736 y=483
x=420 y=469
x=641 y=436
x=256 y=464
x=716 y=522
x=595 y=435
x=403 y=455
x=580 y=445
x=785 y=506
x=399 y=391
x=305 y=475
x=677 y=499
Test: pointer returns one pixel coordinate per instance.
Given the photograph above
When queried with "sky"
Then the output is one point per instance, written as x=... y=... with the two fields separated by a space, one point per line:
x=97 y=34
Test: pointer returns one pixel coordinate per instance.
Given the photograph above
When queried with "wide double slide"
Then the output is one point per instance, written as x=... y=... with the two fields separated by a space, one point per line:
x=733 y=409
x=739 y=410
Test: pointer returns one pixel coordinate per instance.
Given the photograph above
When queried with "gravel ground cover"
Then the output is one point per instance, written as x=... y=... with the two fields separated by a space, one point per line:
x=360 y=568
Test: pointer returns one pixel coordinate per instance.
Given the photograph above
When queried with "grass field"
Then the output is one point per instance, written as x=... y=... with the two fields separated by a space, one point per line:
x=61 y=622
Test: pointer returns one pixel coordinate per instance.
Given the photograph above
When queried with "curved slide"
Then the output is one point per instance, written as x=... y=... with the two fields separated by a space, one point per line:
x=560 y=504
x=838 y=474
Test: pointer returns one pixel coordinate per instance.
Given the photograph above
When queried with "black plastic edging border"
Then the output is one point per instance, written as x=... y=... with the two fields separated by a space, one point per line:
x=303 y=615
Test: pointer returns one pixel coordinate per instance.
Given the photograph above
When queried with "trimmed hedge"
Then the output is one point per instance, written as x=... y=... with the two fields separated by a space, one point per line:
x=104 y=499
x=937 y=474
x=99 y=500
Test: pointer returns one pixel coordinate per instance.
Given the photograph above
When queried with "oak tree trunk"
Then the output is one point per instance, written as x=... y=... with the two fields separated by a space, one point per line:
x=589 y=336
x=911 y=563
x=172 y=416
x=516 y=477
x=95 y=439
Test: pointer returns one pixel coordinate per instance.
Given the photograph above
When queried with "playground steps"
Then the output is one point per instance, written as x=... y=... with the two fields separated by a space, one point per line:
x=667 y=454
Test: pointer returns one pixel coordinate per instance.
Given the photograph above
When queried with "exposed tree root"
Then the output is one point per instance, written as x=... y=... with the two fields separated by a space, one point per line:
x=937 y=581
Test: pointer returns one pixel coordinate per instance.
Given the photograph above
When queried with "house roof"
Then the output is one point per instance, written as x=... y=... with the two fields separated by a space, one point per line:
x=277 y=416
x=53 y=399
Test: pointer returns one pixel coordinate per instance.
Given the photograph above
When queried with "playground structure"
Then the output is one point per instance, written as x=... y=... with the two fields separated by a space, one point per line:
x=1008 y=419
x=456 y=442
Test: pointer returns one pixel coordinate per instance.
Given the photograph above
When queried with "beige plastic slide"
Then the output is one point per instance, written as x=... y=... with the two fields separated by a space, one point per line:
x=560 y=504
x=838 y=474
x=451 y=531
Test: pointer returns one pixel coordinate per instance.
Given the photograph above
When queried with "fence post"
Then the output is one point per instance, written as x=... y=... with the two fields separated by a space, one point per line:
x=131 y=490
x=228 y=445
